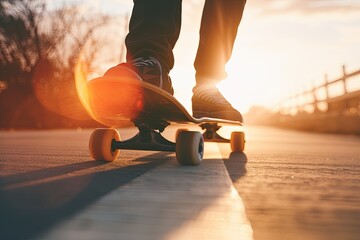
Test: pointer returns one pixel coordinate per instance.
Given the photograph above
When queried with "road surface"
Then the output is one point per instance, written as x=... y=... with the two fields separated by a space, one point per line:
x=287 y=185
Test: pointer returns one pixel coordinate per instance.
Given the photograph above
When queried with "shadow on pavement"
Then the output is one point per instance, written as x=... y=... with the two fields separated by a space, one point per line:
x=43 y=174
x=236 y=165
x=27 y=211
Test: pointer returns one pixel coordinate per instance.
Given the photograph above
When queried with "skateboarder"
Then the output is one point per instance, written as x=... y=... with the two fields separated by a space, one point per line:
x=153 y=31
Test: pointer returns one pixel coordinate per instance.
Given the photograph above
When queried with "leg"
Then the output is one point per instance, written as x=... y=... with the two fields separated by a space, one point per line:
x=218 y=30
x=153 y=31
x=219 y=25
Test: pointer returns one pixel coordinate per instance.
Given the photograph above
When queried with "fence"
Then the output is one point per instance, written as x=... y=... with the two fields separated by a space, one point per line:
x=333 y=107
x=341 y=94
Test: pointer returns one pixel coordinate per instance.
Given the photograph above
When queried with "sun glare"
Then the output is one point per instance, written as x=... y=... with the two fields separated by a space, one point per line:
x=106 y=99
x=253 y=79
x=80 y=72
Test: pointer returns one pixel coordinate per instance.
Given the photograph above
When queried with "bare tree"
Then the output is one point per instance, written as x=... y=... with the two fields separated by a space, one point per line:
x=20 y=43
x=38 y=51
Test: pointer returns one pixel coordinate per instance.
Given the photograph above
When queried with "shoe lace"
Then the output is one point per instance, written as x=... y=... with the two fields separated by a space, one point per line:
x=212 y=95
x=148 y=62
x=145 y=62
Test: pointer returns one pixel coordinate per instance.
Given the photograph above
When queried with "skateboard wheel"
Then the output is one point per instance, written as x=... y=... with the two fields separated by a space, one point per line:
x=100 y=144
x=189 y=148
x=179 y=131
x=237 y=141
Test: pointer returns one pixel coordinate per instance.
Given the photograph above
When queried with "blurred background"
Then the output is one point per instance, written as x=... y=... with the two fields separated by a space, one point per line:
x=295 y=63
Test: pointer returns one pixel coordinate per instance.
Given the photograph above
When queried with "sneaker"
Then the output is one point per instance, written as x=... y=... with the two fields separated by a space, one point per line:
x=207 y=101
x=147 y=69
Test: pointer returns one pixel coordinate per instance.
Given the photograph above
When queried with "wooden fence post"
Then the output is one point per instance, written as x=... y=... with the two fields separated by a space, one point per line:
x=344 y=79
x=326 y=87
x=315 y=103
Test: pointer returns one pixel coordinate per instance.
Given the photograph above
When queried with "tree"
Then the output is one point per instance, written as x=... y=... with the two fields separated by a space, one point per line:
x=20 y=44
x=38 y=51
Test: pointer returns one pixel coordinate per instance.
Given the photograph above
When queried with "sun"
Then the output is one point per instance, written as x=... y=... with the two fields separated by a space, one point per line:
x=254 y=78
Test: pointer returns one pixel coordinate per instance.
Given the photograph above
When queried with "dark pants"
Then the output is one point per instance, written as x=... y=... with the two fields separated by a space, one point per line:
x=155 y=28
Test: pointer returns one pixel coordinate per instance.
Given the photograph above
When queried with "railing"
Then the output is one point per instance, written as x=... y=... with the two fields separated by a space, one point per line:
x=341 y=94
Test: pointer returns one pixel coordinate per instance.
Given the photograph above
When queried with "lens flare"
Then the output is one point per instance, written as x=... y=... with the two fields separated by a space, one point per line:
x=81 y=73
x=111 y=100
x=54 y=89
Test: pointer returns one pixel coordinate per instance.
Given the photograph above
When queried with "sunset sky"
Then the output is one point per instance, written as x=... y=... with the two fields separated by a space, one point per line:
x=283 y=47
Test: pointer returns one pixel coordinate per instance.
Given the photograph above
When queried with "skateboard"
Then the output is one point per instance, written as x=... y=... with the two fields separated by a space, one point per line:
x=115 y=100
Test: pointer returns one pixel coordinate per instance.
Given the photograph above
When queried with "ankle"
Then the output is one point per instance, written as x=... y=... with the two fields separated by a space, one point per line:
x=205 y=83
x=204 y=88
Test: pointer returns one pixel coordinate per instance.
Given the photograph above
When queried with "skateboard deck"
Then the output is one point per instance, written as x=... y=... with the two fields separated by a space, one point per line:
x=116 y=100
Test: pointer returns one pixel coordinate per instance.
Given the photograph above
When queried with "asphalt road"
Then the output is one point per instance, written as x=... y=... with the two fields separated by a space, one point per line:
x=290 y=185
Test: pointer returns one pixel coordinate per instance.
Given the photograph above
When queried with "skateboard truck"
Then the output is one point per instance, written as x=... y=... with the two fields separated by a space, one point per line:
x=210 y=134
x=150 y=124
x=147 y=139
